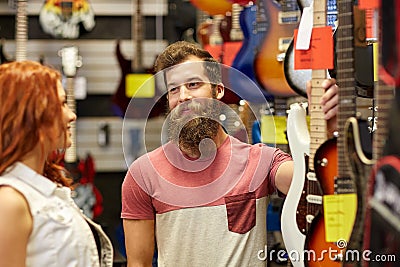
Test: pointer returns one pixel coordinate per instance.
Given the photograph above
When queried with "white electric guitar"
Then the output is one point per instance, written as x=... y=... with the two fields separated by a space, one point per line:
x=304 y=199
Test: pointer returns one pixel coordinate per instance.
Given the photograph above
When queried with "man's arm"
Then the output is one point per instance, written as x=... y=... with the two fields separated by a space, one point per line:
x=283 y=176
x=139 y=242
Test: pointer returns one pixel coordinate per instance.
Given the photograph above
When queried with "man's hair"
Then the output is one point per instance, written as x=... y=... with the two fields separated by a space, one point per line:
x=178 y=52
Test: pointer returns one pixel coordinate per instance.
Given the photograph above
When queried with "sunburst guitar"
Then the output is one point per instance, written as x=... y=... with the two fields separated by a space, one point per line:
x=283 y=18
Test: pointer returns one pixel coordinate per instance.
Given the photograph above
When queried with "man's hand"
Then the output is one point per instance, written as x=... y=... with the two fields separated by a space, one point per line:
x=329 y=102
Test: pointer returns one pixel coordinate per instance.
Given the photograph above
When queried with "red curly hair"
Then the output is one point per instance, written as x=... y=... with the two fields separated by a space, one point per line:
x=30 y=114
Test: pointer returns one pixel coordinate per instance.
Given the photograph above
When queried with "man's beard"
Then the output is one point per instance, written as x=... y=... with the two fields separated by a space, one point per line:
x=188 y=131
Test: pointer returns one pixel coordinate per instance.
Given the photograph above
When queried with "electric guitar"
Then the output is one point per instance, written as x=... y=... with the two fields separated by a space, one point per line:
x=345 y=181
x=133 y=74
x=71 y=61
x=253 y=22
x=303 y=203
x=85 y=194
x=326 y=167
x=283 y=18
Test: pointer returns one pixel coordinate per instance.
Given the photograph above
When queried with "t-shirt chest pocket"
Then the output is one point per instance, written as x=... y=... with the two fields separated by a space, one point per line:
x=241 y=212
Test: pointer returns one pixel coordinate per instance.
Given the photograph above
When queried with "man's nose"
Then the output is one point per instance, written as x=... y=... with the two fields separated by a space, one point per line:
x=184 y=93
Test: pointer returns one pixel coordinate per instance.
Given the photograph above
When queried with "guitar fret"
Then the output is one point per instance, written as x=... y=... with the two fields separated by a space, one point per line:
x=21 y=31
x=70 y=153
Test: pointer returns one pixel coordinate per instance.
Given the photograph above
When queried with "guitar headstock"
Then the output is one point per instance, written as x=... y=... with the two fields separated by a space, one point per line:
x=71 y=60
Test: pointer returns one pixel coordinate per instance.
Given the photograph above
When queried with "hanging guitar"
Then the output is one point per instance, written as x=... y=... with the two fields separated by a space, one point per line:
x=133 y=74
x=382 y=231
x=283 y=18
x=85 y=194
x=253 y=22
x=303 y=201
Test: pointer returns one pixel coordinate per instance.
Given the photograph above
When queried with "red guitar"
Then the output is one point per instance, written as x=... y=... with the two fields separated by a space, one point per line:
x=283 y=18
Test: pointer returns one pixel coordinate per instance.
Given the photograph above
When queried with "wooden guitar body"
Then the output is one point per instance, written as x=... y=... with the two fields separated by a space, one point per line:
x=213 y=7
x=325 y=163
x=269 y=60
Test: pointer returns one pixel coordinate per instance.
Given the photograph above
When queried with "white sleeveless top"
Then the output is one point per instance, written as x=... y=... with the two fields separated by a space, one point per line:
x=61 y=235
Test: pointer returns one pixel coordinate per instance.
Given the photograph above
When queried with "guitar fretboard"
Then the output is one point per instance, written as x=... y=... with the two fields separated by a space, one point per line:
x=21 y=30
x=137 y=25
x=345 y=79
x=236 y=33
x=318 y=132
x=70 y=153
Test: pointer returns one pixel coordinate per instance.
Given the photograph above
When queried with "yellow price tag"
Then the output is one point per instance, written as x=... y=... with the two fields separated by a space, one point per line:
x=339 y=215
x=273 y=129
x=140 y=85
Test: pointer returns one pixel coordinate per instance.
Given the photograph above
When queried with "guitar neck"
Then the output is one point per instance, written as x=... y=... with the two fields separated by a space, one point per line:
x=345 y=78
x=384 y=102
x=70 y=153
x=137 y=24
x=216 y=37
x=318 y=131
x=21 y=30
x=236 y=33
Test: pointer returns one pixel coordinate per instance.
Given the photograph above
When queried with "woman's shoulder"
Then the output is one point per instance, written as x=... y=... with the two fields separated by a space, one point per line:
x=13 y=203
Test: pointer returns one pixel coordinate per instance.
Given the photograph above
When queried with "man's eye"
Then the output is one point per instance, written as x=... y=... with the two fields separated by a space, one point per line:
x=194 y=85
x=173 y=90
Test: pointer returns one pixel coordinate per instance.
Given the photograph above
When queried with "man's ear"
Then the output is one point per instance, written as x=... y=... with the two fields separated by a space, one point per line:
x=219 y=90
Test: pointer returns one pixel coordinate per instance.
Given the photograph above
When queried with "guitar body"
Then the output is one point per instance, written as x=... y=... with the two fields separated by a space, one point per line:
x=299 y=140
x=325 y=164
x=297 y=79
x=360 y=165
x=119 y=99
x=269 y=60
x=213 y=7
x=203 y=32
x=244 y=59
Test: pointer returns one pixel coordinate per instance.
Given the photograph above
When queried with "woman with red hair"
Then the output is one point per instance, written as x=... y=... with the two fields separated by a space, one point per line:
x=40 y=225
